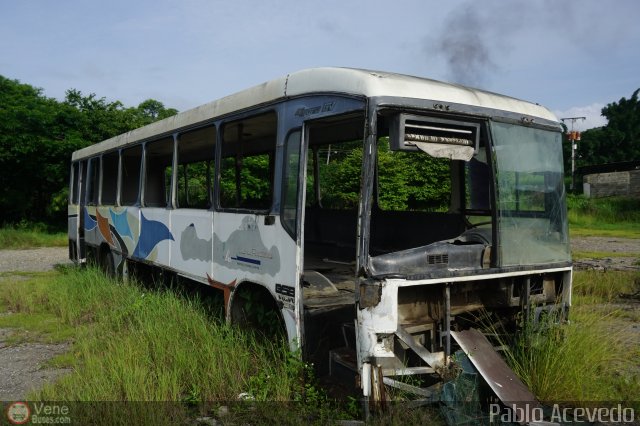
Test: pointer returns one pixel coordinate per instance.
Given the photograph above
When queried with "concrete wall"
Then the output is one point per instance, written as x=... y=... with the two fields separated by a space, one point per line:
x=625 y=183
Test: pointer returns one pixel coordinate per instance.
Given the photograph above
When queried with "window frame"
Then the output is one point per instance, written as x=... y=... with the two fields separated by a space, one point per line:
x=300 y=181
x=273 y=161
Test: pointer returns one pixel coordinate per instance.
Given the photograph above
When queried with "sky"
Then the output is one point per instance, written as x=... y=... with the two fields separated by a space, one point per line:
x=572 y=56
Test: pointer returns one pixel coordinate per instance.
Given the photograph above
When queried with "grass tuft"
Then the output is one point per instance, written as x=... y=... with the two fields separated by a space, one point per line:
x=607 y=217
x=589 y=359
x=136 y=344
x=28 y=235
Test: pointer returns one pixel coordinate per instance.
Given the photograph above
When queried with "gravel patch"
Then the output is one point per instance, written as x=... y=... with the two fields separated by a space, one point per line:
x=629 y=249
x=33 y=260
x=21 y=367
x=606 y=244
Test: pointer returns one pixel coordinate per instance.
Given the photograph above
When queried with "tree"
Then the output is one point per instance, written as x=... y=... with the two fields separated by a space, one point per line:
x=38 y=135
x=152 y=110
x=36 y=139
x=619 y=140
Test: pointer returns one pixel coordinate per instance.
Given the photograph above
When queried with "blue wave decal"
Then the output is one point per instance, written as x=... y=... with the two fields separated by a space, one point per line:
x=121 y=223
x=89 y=222
x=151 y=233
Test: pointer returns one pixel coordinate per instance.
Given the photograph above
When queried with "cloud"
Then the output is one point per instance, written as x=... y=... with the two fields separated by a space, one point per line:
x=592 y=114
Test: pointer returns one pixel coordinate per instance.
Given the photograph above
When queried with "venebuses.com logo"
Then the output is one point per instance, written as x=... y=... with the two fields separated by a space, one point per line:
x=19 y=413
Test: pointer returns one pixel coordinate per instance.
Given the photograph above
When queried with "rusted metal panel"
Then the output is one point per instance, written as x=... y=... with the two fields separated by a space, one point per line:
x=433 y=359
x=370 y=294
x=425 y=393
x=502 y=380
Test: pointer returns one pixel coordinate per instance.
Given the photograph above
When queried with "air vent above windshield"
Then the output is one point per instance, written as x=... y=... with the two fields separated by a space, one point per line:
x=456 y=140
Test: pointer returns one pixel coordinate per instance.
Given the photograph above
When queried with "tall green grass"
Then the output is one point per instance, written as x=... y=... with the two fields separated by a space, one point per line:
x=619 y=217
x=30 y=235
x=590 y=359
x=136 y=344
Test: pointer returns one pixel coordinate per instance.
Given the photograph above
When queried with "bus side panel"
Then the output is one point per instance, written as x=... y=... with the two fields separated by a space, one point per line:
x=124 y=227
x=124 y=223
x=155 y=237
x=256 y=248
x=191 y=248
x=73 y=211
x=90 y=221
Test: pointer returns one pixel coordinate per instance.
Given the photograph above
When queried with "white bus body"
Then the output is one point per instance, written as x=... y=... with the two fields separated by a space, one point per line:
x=230 y=194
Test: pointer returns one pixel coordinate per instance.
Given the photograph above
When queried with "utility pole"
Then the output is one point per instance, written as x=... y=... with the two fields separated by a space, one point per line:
x=573 y=136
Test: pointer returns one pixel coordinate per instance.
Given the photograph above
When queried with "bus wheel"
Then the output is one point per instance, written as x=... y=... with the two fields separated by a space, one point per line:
x=107 y=264
x=253 y=308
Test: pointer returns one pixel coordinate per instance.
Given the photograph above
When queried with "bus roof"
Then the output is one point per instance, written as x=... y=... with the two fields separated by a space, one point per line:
x=349 y=81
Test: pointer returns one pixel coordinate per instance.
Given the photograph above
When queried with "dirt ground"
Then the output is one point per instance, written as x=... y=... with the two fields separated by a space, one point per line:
x=626 y=250
x=23 y=367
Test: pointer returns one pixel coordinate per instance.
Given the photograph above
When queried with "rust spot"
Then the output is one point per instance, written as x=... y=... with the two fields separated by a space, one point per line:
x=226 y=289
x=103 y=226
x=370 y=294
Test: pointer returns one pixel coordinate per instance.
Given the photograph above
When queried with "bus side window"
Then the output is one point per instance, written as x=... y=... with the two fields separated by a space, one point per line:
x=290 y=180
x=196 y=153
x=93 y=188
x=109 y=178
x=74 y=188
x=82 y=182
x=247 y=166
x=131 y=161
x=158 y=157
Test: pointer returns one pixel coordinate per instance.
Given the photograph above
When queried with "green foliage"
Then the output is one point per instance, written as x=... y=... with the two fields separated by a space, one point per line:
x=604 y=287
x=29 y=235
x=611 y=210
x=38 y=135
x=340 y=169
x=412 y=181
x=36 y=139
x=132 y=344
x=619 y=140
x=406 y=181
x=615 y=216
x=255 y=182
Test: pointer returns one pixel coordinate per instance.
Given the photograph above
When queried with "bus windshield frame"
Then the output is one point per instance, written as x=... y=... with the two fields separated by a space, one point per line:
x=531 y=200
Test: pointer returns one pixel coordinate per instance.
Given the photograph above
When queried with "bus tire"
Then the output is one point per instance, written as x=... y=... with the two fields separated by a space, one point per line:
x=107 y=264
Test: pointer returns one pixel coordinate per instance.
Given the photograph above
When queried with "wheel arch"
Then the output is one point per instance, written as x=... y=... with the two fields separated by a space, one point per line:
x=253 y=305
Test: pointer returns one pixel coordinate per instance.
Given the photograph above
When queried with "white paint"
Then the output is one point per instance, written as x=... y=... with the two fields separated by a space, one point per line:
x=328 y=80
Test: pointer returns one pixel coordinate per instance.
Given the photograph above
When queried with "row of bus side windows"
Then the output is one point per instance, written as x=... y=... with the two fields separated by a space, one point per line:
x=246 y=176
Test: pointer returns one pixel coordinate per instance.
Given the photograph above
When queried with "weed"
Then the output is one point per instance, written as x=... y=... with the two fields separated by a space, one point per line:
x=585 y=360
x=26 y=235
x=137 y=344
x=602 y=287
x=598 y=254
x=615 y=217
x=36 y=327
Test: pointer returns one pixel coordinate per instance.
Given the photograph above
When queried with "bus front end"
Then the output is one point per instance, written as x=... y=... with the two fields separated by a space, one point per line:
x=483 y=254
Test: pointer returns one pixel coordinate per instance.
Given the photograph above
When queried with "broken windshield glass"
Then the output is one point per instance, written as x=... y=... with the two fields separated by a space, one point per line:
x=532 y=223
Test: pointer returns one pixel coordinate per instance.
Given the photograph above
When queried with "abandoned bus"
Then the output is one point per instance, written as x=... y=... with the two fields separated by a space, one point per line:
x=377 y=216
